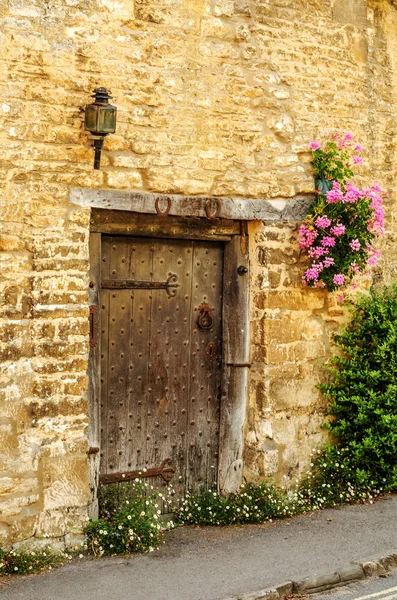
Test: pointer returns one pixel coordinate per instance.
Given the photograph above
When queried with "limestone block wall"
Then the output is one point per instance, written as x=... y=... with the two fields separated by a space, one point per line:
x=214 y=97
x=291 y=339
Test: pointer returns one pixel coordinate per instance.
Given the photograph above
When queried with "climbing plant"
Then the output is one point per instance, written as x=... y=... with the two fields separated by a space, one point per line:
x=343 y=221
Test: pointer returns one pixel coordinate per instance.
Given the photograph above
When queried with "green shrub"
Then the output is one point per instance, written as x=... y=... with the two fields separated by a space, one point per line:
x=129 y=520
x=254 y=503
x=362 y=389
x=334 y=478
x=15 y=562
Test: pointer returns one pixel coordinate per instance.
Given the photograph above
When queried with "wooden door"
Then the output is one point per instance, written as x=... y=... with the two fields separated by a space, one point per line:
x=161 y=357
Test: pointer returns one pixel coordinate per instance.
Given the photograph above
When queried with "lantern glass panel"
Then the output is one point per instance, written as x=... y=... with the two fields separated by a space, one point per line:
x=107 y=119
x=91 y=117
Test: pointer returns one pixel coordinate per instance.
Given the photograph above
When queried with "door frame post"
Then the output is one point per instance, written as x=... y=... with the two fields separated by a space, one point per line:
x=236 y=357
x=94 y=370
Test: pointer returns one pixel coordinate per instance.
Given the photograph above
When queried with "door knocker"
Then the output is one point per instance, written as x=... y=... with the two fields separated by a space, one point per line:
x=204 y=320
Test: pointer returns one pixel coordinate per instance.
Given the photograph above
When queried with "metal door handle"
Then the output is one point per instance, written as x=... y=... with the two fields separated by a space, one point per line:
x=204 y=320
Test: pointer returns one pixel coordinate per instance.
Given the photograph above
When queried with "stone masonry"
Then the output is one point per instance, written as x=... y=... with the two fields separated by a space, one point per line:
x=215 y=97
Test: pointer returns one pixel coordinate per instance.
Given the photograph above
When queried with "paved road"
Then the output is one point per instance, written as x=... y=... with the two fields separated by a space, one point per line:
x=377 y=588
x=213 y=563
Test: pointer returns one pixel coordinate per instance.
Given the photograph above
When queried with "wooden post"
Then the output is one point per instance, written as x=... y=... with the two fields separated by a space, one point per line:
x=94 y=369
x=236 y=363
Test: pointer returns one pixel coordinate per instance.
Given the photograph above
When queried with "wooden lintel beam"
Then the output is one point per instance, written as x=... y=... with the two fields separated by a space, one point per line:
x=211 y=207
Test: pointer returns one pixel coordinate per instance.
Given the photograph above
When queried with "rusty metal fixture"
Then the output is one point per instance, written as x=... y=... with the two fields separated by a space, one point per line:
x=242 y=270
x=163 y=213
x=207 y=207
x=204 y=320
x=93 y=326
x=170 y=285
x=244 y=237
x=211 y=352
x=100 y=120
x=93 y=450
x=165 y=470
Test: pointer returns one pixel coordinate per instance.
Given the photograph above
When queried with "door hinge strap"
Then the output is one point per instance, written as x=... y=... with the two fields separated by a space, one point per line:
x=238 y=365
x=165 y=470
x=169 y=285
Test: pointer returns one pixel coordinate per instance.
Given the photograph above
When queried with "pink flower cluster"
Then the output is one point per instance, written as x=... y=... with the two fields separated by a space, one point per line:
x=328 y=241
x=336 y=231
x=373 y=255
x=336 y=194
x=355 y=245
x=307 y=236
x=352 y=193
x=343 y=141
x=323 y=222
x=347 y=140
x=377 y=223
x=339 y=279
x=317 y=251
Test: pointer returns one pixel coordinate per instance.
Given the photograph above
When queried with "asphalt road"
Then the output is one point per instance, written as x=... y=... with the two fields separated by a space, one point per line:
x=376 y=588
x=212 y=563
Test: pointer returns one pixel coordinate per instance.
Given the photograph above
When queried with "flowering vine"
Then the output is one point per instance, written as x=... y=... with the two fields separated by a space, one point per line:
x=343 y=220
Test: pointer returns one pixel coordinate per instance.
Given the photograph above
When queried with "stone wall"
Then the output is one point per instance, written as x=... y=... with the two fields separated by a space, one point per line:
x=291 y=326
x=214 y=97
x=291 y=338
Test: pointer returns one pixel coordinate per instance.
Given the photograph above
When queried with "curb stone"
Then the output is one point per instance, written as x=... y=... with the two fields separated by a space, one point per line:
x=311 y=585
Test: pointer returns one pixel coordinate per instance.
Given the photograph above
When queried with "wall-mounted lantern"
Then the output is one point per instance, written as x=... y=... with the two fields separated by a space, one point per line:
x=100 y=120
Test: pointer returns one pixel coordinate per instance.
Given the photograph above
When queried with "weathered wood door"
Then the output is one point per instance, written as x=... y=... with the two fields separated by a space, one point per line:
x=161 y=357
